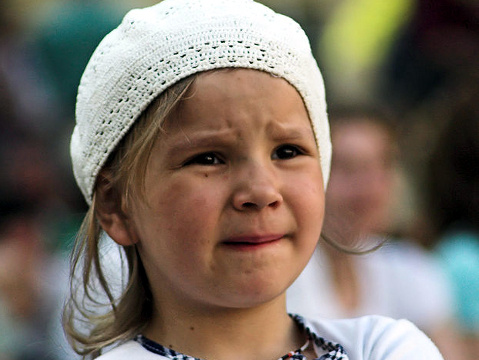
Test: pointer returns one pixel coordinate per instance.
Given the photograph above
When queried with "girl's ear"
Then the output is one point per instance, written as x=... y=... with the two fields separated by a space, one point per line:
x=110 y=213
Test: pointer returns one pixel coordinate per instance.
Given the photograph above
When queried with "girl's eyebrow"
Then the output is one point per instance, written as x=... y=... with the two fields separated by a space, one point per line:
x=292 y=134
x=287 y=131
x=226 y=137
x=198 y=140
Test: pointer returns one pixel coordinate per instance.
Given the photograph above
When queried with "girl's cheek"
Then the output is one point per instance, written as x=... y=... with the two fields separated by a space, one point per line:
x=309 y=183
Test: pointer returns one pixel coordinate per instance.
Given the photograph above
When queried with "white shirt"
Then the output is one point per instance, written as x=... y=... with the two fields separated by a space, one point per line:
x=366 y=338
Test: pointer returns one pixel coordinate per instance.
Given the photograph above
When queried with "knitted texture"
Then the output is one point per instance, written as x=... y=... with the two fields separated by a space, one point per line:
x=156 y=47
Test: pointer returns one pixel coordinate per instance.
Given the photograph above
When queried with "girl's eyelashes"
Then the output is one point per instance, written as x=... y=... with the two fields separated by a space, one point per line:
x=287 y=151
x=282 y=152
x=208 y=158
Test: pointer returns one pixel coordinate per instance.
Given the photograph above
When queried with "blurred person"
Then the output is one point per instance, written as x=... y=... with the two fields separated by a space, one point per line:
x=453 y=206
x=30 y=286
x=34 y=212
x=399 y=280
x=33 y=215
x=33 y=271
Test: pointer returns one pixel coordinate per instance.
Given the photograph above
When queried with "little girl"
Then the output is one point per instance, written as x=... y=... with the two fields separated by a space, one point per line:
x=202 y=146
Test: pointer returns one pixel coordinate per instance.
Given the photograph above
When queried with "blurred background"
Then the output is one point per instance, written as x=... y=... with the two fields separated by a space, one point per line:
x=415 y=62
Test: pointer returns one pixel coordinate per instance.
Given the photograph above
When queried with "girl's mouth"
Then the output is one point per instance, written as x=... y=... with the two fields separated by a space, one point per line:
x=252 y=241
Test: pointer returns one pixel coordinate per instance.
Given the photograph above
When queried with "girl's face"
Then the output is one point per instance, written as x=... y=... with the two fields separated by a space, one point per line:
x=234 y=194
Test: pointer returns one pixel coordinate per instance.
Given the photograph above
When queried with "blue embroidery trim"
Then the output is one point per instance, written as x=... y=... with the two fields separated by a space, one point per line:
x=335 y=351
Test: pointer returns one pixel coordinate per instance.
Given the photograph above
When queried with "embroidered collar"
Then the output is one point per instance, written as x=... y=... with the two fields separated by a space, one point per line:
x=334 y=351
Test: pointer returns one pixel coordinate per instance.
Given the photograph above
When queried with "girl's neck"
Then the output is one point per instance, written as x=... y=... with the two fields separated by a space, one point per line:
x=264 y=332
x=345 y=280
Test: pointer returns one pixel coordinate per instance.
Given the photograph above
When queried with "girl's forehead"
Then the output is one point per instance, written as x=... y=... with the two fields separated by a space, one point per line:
x=227 y=93
x=228 y=105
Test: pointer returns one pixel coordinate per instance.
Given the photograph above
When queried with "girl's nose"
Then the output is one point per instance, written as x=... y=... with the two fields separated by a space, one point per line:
x=256 y=189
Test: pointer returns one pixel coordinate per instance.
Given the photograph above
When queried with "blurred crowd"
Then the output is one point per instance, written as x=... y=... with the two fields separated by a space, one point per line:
x=402 y=78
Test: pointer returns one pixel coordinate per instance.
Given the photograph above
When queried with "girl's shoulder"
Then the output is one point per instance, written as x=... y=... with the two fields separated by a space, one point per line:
x=130 y=350
x=377 y=338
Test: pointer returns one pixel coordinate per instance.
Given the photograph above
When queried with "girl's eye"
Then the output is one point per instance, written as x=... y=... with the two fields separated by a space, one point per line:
x=204 y=159
x=285 y=152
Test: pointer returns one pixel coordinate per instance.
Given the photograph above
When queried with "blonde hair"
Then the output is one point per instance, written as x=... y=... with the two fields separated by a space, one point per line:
x=90 y=323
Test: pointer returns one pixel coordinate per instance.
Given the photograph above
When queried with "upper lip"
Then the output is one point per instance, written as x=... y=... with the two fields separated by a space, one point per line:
x=254 y=238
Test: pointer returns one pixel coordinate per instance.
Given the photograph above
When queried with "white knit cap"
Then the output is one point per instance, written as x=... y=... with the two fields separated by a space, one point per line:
x=155 y=47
